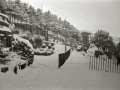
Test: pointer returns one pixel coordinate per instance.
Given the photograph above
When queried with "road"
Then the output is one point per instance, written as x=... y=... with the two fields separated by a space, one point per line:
x=73 y=75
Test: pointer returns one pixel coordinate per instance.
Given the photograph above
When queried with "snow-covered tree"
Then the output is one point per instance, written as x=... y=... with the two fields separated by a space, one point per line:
x=103 y=39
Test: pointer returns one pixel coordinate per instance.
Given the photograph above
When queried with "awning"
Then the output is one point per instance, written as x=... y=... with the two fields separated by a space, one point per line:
x=5 y=29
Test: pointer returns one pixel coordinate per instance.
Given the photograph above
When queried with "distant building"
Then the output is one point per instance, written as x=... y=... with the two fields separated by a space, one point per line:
x=86 y=36
x=5 y=32
x=116 y=40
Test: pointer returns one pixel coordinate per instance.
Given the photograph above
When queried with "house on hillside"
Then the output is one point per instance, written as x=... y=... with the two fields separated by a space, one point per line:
x=5 y=32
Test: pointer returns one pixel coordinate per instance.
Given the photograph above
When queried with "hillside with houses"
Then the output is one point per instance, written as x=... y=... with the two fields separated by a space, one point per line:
x=34 y=24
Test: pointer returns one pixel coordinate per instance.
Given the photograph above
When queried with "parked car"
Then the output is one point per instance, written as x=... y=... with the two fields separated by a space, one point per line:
x=46 y=43
x=79 y=48
x=43 y=49
x=52 y=44
x=49 y=50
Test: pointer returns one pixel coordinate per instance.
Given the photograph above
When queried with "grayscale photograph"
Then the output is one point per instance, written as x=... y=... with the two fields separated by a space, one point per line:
x=59 y=44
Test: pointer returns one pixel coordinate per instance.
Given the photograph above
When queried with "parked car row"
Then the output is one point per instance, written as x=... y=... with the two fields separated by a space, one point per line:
x=46 y=49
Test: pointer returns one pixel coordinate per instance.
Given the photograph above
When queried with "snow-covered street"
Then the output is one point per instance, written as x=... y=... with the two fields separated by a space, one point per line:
x=73 y=75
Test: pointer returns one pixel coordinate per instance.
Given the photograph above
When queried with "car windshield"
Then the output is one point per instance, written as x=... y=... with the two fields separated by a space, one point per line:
x=43 y=46
x=49 y=47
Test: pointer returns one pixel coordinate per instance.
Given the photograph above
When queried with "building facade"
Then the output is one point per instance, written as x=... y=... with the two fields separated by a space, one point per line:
x=5 y=32
x=86 y=36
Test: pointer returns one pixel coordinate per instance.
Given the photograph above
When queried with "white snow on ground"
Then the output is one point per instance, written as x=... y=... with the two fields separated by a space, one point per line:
x=73 y=75
x=14 y=61
x=12 y=58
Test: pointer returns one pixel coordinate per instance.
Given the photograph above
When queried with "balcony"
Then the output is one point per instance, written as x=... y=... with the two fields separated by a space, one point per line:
x=5 y=29
x=4 y=20
x=3 y=15
x=4 y=23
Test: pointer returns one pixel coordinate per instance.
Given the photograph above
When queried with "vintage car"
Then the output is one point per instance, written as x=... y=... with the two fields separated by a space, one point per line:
x=46 y=43
x=43 y=50
x=79 y=48
x=49 y=50
x=52 y=44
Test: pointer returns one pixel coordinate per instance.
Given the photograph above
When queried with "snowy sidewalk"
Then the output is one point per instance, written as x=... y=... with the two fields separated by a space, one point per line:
x=81 y=78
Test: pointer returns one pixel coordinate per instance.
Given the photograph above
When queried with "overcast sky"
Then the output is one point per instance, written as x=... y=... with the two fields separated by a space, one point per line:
x=88 y=15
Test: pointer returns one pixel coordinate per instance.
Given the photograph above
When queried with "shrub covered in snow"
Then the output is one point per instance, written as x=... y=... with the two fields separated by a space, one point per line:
x=18 y=39
x=21 y=54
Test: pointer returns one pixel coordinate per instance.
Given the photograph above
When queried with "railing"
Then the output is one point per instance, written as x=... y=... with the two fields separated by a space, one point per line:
x=104 y=64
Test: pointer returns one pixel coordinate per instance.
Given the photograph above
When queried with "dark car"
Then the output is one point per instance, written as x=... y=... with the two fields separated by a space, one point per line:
x=52 y=44
x=79 y=48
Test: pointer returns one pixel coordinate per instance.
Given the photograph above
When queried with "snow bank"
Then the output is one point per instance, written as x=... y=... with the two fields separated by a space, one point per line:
x=13 y=59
